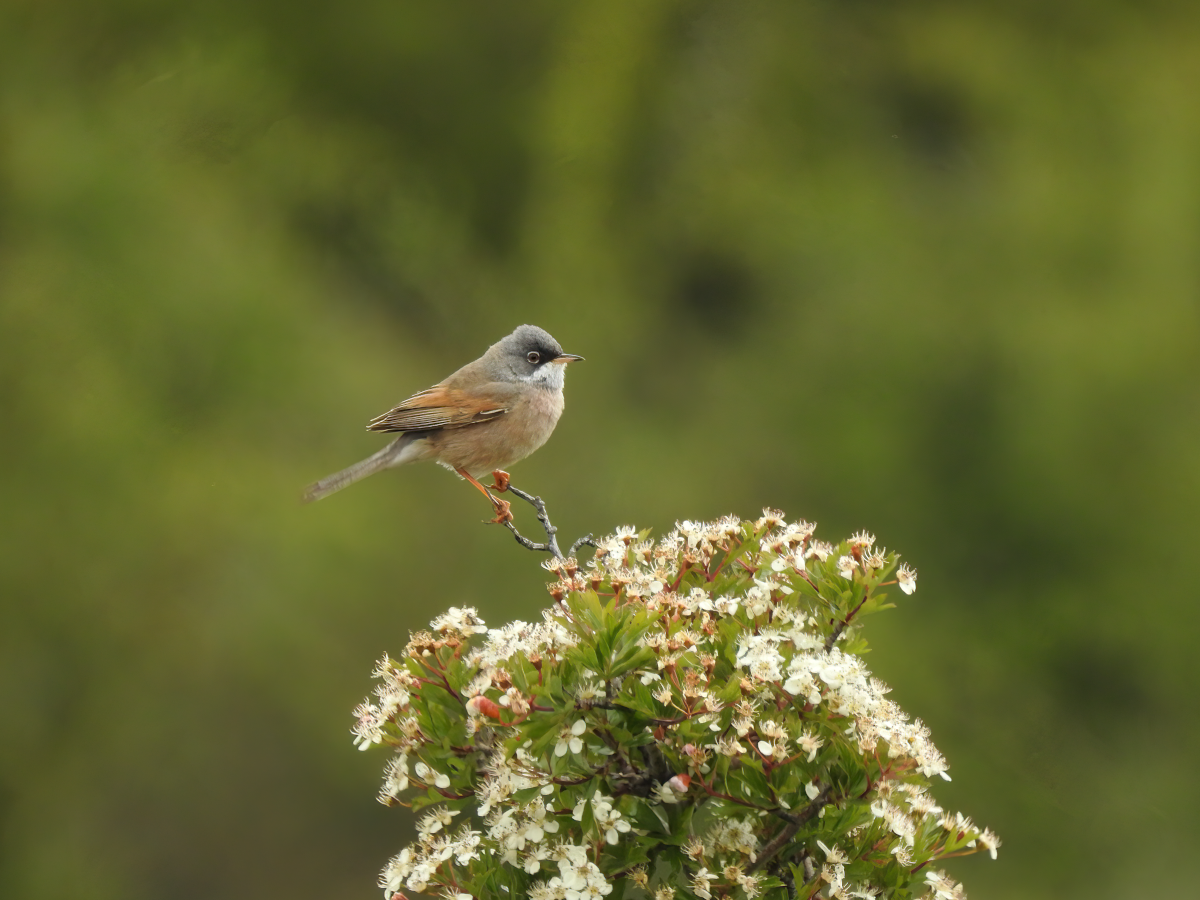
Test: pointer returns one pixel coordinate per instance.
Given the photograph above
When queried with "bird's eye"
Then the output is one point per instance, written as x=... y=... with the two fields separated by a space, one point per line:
x=534 y=357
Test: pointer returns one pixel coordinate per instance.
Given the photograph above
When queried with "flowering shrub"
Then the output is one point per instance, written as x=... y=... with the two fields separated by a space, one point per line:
x=691 y=718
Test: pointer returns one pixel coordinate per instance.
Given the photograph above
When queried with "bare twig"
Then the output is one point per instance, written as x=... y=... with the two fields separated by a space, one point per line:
x=586 y=541
x=551 y=543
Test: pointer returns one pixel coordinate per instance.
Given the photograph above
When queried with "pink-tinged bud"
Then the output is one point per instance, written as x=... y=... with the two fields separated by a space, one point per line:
x=689 y=749
x=482 y=706
x=679 y=783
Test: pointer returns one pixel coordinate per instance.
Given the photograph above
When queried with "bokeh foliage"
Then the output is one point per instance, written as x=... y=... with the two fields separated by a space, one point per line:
x=920 y=267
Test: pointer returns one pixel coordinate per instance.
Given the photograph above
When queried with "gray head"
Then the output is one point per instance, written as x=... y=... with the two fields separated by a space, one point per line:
x=531 y=354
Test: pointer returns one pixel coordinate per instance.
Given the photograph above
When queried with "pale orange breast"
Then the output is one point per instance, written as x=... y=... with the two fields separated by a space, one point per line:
x=483 y=448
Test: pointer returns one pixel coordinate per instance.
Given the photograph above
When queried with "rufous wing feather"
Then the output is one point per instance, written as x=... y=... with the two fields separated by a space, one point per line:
x=436 y=408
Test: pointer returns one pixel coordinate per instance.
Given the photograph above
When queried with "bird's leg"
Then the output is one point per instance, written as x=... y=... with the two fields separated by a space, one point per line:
x=503 y=513
x=500 y=479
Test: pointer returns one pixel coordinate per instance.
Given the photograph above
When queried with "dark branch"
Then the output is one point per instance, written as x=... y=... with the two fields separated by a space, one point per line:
x=769 y=851
x=794 y=822
x=841 y=626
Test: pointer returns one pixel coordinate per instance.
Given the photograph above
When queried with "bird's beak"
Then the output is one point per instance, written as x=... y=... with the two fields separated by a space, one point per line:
x=565 y=358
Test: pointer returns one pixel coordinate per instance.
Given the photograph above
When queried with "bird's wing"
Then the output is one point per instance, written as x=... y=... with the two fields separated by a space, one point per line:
x=441 y=407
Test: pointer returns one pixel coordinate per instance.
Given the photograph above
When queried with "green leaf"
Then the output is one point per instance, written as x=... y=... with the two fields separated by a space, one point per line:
x=544 y=734
x=651 y=817
x=754 y=785
x=526 y=794
x=588 y=821
x=628 y=657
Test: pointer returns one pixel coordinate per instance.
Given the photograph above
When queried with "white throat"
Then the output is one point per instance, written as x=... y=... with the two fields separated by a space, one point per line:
x=549 y=376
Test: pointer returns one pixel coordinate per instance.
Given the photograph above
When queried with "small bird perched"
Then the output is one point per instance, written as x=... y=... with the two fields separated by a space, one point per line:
x=486 y=416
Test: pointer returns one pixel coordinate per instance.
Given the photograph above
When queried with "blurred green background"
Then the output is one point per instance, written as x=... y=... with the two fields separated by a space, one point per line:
x=930 y=269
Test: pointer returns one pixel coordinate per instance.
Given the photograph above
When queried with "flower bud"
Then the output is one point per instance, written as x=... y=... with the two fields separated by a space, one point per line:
x=679 y=783
x=482 y=706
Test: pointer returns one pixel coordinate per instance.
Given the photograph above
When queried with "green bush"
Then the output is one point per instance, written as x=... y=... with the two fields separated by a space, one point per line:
x=692 y=717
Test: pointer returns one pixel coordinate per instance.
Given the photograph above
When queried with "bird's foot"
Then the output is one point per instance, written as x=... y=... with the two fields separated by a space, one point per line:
x=503 y=512
x=501 y=479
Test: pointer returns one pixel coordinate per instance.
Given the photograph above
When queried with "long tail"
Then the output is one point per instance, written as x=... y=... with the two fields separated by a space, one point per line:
x=396 y=453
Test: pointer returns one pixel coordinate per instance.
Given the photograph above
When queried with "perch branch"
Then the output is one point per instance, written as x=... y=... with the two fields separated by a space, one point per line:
x=551 y=543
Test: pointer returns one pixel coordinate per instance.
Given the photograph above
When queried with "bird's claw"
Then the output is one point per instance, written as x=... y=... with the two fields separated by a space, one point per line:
x=501 y=479
x=503 y=513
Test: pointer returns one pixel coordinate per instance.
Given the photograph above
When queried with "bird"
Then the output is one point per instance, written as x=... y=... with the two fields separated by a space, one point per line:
x=488 y=415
